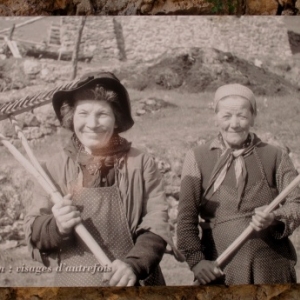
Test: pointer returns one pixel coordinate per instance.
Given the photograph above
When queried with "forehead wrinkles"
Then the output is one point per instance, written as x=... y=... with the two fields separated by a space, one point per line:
x=234 y=104
x=92 y=105
x=233 y=107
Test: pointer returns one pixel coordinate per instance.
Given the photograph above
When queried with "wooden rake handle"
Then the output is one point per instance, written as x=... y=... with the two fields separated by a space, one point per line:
x=221 y=260
x=56 y=197
x=246 y=233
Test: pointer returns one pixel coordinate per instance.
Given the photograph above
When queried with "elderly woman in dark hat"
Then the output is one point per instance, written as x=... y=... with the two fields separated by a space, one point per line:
x=227 y=182
x=113 y=188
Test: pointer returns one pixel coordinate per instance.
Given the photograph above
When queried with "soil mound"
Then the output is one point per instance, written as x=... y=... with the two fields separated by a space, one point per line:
x=205 y=69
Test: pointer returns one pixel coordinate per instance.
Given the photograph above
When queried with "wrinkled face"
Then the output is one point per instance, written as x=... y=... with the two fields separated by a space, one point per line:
x=234 y=119
x=94 y=124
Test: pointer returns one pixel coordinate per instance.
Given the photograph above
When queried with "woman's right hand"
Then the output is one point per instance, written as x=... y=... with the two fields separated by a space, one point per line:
x=66 y=215
x=206 y=271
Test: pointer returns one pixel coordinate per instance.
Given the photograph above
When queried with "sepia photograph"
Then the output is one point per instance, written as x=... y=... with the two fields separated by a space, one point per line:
x=149 y=151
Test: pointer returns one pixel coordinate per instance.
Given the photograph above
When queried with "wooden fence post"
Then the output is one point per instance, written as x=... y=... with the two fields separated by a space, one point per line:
x=10 y=35
x=77 y=47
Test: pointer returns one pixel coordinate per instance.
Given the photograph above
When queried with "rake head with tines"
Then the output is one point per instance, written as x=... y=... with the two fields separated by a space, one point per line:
x=30 y=102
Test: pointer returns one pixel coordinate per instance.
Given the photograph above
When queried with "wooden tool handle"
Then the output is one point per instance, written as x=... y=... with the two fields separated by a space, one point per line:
x=245 y=234
x=56 y=197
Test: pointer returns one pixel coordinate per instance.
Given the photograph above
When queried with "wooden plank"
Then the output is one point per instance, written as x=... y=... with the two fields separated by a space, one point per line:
x=54 y=53
x=12 y=45
x=28 y=42
x=2 y=37
x=23 y=24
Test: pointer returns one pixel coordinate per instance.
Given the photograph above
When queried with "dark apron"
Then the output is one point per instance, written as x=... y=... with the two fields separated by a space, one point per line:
x=104 y=217
x=262 y=259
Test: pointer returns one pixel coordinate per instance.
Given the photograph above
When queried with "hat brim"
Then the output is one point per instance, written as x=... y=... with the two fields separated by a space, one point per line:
x=68 y=96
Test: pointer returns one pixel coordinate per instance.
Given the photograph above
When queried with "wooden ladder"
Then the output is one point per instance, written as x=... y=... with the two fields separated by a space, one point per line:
x=54 y=35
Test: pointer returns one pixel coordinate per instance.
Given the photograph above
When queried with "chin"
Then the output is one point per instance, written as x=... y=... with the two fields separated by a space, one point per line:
x=94 y=145
x=235 y=143
x=235 y=139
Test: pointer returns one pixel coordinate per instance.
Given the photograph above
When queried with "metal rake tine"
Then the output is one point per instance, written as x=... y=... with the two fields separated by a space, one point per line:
x=29 y=102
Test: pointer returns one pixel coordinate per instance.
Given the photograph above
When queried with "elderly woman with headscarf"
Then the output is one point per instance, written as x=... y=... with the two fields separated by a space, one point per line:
x=225 y=185
x=114 y=189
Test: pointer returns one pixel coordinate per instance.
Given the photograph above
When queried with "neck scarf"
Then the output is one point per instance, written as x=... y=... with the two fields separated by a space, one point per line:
x=106 y=157
x=227 y=157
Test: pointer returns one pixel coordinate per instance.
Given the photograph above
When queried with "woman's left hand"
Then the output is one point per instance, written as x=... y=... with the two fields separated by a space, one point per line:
x=121 y=275
x=261 y=220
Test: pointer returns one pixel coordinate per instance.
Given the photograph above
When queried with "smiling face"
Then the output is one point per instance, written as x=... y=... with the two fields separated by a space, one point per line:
x=234 y=119
x=94 y=124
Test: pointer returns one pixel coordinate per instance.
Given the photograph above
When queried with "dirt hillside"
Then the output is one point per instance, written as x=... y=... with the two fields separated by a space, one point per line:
x=205 y=69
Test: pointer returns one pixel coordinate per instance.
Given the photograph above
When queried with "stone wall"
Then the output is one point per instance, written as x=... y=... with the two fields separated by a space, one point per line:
x=247 y=37
x=136 y=38
x=98 y=37
x=144 y=39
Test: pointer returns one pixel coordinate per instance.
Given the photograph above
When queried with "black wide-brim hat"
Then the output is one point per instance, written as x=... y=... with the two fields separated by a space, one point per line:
x=89 y=81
